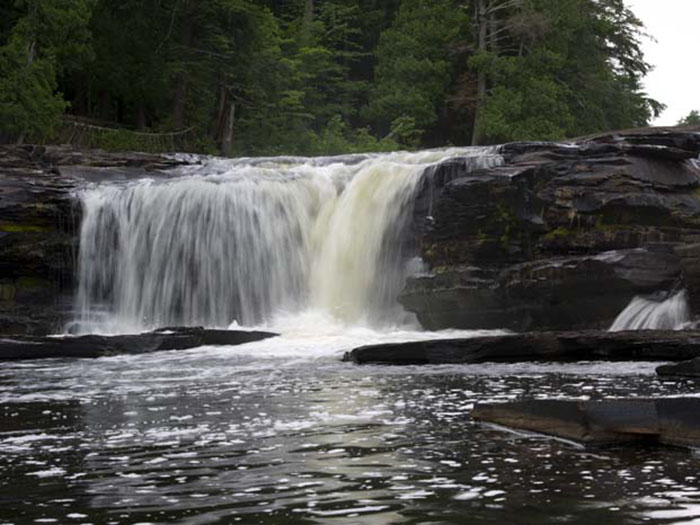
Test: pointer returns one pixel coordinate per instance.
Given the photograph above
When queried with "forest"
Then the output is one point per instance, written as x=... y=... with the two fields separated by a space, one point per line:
x=314 y=77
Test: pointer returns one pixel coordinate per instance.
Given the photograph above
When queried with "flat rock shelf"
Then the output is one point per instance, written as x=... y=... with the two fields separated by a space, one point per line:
x=667 y=421
x=645 y=345
x=92 y=346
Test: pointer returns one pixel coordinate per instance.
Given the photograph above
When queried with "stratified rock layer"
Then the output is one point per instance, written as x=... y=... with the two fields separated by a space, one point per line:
x=562 y=236
x=90 y=346
x=39 y=223
x=668 y=421
x=537 y=346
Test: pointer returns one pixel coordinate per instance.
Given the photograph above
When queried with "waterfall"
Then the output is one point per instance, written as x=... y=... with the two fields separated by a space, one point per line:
x=646 y=314
x=245 y=240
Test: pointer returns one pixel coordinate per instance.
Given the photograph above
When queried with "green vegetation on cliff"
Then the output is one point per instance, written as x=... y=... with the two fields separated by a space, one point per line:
x=316 y=76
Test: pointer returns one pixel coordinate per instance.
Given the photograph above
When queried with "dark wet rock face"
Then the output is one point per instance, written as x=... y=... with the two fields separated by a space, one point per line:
x=643 y=345
x=559 y=237
x=668 y=421
x=690 y=368
x=39 y=223
x=562 y=236
x=13 y=348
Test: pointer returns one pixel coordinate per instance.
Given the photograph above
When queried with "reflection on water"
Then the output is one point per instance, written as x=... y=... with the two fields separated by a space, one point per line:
x=225 y=436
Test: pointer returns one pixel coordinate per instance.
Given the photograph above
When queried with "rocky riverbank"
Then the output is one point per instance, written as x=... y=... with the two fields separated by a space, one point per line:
x=559 y=237
x=562 y=236
x=22 y=348
x=591 y=345
x=39 y=223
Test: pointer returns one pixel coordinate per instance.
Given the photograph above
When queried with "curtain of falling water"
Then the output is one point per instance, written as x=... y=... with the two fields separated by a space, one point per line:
x=646 y=314
x=244 y=240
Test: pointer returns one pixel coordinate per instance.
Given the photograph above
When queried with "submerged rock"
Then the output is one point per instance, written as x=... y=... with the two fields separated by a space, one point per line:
x=690 y=368
x=645 y=345
x=668 y=421
x=91 y=346
x=563 y=236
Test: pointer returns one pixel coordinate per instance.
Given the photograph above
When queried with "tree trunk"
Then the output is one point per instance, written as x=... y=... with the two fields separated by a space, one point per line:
x=31 y=55
x=105 y=106
x=140 y=116
x=482 y=21
x=227 y=142
x=218 y=129
x=180 y=99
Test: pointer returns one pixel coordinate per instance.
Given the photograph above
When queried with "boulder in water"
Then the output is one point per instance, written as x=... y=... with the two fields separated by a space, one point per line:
x=668 y=421
x=690 y=368
x=13 y=348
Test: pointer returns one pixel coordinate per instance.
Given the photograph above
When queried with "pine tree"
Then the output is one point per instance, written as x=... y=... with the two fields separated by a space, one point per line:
x=414 y=70
x=48 y=39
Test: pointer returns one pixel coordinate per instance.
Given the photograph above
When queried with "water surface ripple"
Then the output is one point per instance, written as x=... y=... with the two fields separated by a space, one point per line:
x=255 y=435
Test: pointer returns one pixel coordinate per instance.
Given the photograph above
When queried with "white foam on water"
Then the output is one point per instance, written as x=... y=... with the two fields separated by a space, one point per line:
x=315 y=334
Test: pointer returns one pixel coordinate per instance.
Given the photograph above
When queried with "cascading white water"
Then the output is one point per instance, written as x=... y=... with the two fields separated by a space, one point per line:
x=646 y=314
x=246 y=240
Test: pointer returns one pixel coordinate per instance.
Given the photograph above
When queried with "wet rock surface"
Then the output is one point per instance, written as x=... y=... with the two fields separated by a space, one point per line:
x=667 y=421
x=646 y=345
x=562 y=236
x=690 y=368
x=13 y=348
x=39 y=223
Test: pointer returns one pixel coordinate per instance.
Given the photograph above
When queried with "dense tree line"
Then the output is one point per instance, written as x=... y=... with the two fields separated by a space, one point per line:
x=322 y=76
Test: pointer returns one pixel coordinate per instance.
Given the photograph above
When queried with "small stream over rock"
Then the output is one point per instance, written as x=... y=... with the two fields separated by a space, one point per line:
x=670 y=313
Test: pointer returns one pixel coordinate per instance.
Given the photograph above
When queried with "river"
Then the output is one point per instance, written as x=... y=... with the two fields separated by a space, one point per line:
x=281 y=431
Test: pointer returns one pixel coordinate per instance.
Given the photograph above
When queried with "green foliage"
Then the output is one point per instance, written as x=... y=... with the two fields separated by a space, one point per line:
x=691 y=119
x=263 y=77
x=580 y=72
x=413 y=70
x=29 y=103
x=48 y=39
x=338 y=138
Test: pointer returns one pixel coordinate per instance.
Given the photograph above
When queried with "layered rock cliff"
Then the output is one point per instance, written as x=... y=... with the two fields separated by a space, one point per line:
x=562 y=236
x=39 y=223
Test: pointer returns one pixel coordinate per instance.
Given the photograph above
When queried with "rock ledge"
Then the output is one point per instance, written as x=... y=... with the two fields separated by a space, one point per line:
x=14 y=348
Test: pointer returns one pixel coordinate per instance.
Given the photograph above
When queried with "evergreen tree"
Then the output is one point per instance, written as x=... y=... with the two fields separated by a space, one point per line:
x=414 y=70
x=242 y=77
x=691 y=119
x=48 y=39
x=563 y=68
